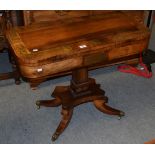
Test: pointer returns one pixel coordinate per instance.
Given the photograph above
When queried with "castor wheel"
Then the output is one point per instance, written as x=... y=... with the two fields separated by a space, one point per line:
x=55 y=136
x=38 y=104
x=121 y=115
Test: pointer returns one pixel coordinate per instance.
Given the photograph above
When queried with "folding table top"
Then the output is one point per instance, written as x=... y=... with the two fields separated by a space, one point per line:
x=68 y=38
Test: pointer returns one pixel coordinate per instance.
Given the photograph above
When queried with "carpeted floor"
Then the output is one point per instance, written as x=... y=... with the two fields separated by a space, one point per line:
x=21 y=122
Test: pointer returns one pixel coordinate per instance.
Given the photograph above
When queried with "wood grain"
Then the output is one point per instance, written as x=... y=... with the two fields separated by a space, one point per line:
x=111 y=36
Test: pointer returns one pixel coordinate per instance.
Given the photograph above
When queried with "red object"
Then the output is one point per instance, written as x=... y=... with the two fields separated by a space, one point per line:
x=133 y=70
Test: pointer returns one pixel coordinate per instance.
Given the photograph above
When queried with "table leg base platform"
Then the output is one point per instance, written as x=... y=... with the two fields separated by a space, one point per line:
x=75 y=94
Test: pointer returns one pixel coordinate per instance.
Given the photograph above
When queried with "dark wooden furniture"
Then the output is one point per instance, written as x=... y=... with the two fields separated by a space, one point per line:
x=73 y=42
x=2 y=29
x=3 y=44
x=5 y=23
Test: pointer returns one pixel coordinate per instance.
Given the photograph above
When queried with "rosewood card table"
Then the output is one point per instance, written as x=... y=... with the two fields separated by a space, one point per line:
x=74 y=46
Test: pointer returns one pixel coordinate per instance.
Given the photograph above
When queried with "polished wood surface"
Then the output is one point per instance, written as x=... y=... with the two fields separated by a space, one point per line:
x=34 y=17
x=113 y=37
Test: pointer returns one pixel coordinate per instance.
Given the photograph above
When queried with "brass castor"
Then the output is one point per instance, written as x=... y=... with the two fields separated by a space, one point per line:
x=38 y=104
x=121 y=115
x=55 y=136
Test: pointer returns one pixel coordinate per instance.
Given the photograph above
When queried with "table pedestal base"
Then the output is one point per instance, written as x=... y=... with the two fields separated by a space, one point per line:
x=80 y=91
